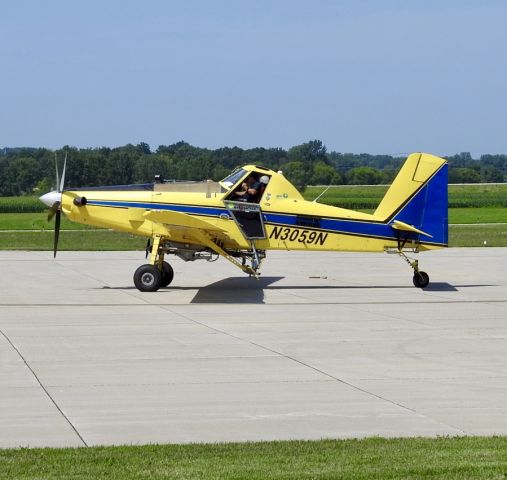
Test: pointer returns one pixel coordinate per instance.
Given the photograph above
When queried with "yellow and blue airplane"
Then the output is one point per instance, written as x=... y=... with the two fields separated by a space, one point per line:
x=205 y=220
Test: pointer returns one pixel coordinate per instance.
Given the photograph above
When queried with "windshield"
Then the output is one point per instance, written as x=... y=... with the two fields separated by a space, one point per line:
x=233 y=178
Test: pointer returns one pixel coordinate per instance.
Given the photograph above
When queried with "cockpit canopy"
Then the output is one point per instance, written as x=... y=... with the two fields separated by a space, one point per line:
x=232 y=179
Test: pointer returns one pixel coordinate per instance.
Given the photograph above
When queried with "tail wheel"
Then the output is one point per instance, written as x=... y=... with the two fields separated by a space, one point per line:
x=421 y=279
x=148 y=278
x=167 y=274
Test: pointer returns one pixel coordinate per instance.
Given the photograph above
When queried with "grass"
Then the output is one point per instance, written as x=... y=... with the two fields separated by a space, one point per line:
x=477 y=215
x=72 y=240
x=476 y=236
x=35 y=221
x=373 y=458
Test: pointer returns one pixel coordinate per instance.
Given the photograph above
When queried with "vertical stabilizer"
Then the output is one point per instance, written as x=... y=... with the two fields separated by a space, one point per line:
x=418 y=197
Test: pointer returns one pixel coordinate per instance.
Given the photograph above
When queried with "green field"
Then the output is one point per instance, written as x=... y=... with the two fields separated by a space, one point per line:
x=25 y=204
x=373 y=458
x=361 y=197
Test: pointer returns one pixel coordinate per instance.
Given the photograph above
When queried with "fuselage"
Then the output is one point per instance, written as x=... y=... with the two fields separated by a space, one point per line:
x=290 y=222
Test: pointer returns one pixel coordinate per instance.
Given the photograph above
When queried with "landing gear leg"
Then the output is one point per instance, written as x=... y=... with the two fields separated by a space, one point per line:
x=156 y=274
x=421 y=279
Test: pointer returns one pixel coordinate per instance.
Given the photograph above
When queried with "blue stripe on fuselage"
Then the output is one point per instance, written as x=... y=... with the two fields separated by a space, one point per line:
x=338 y=226
x=353 y=227
x=160 y=206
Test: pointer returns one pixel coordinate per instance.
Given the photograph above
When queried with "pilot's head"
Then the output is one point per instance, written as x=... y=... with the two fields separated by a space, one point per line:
x=264 y=179
x=251 y=179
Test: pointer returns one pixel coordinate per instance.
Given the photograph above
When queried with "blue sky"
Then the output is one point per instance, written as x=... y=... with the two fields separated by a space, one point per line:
x=362 y=76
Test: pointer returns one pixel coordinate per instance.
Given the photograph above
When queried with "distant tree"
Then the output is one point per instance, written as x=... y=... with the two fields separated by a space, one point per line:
x=308 y=153
x=338 y=179
x=322 y=173
x=388 y=176
x=491 y=175
x=364 y=176
x=23 y=169
x=21 y=176
x=296 y=173
x=464 y=175
x=144 y=148
x=220 y=173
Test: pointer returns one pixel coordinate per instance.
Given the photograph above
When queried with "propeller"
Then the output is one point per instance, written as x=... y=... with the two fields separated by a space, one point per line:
x=148 y=248
x=54 y=201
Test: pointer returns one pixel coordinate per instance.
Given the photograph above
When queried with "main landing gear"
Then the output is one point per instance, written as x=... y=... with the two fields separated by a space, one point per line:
x=421 y=279
x=149 y=278
x=156 y=274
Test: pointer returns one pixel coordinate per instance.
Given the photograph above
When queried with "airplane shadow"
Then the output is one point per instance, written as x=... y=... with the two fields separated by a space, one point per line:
x=247 y=290
x=235 y=290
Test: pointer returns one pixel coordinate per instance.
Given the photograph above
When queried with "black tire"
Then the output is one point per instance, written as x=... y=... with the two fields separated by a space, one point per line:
x=167 y=275
x=147 y=278
x=421 y=279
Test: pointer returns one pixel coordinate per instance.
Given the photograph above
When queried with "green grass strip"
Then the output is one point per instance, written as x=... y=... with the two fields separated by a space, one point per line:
x=80 y=240
x=368 y=459
x=478 y=235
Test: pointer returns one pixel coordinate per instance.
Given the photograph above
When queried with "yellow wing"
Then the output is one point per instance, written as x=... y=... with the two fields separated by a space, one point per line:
x=201 y=231
x=178 y=219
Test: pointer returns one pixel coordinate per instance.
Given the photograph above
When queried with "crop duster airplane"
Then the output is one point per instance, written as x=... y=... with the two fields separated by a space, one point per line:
x=205 y=220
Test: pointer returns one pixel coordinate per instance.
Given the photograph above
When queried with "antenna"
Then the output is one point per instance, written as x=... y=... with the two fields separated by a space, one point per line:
x=325 y=190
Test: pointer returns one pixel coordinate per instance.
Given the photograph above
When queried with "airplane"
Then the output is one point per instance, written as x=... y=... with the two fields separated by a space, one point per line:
x=207 y=219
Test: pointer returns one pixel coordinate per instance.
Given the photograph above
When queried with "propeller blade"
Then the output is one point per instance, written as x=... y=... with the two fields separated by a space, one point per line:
x=52 y=211
x=57 y=232
x=57 y=176
x=148 y=245
x=62 y=181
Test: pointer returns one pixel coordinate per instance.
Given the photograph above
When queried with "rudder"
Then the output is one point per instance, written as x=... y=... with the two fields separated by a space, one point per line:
x=418 y=198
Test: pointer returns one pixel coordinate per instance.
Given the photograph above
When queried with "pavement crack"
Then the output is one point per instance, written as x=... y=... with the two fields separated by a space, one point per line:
x=322 y=372
x=46 y=391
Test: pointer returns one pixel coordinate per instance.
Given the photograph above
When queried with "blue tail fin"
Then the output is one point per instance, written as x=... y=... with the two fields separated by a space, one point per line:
x=426 y=210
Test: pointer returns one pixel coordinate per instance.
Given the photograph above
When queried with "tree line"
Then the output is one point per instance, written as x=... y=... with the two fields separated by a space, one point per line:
x=31 y=170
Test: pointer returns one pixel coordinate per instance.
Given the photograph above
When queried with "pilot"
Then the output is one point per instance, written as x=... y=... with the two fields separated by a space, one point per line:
x=250 y=190
x=264 y=180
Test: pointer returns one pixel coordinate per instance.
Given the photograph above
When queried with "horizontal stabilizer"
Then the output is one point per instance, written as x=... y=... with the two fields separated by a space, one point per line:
x=397 y=225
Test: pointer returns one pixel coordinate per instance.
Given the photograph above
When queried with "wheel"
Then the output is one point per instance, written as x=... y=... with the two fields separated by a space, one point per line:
x=421 y=279
x=147 y=278
x=167 y=274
